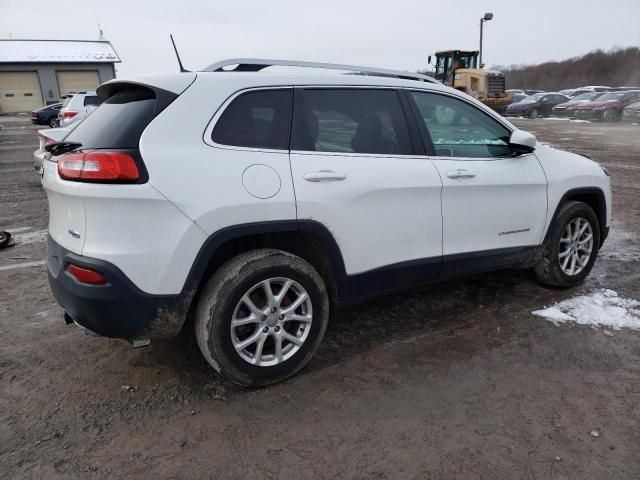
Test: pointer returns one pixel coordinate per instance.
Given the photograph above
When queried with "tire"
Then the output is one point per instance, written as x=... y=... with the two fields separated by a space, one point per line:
x=53 y=123
x=534 y=113
x=223 y=301
x=549 y=269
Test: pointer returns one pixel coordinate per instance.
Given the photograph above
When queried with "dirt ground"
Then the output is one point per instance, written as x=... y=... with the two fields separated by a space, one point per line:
x=458 y=381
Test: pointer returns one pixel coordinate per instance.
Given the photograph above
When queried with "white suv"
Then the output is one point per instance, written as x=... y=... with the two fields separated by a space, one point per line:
x=257 y=202
x=77 y=106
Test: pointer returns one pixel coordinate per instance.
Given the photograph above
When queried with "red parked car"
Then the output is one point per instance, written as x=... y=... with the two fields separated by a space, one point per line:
x=607 y=107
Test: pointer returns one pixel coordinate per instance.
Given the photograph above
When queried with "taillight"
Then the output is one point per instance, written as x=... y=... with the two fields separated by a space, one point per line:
x=86 y=275
x=48 y=141
x=98 y=166
x=69 y=114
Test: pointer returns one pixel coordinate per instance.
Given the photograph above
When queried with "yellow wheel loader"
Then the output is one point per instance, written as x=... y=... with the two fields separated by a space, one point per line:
x=459 y=69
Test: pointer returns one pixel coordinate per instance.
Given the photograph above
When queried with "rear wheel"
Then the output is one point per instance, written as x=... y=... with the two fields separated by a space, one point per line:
x=53 y=122
x=571 y=249
x=534 y=113
x=261 y=317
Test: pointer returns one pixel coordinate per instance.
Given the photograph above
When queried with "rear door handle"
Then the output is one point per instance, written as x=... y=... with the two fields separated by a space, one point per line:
x=460 y=173
x=324 y=176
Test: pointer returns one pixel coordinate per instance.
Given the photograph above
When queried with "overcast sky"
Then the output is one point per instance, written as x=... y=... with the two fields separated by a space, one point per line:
x=392 y=34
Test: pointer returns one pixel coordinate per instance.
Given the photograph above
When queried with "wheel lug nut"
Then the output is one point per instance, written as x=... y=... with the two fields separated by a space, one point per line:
x=264 y=318
x=281 y=317
x=273 y=310
x=277 y=329
x=265 y=329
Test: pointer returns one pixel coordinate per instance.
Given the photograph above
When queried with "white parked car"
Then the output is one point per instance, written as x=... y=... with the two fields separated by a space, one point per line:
x=77 y=106
x=258 y=202
x=47 y=137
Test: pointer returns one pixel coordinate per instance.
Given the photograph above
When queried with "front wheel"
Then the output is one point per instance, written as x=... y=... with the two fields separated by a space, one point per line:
x=571 y=249
x=53 y=123
x=261 y=317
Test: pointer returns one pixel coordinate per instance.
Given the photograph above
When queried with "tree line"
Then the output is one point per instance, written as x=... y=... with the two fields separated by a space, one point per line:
x=614 y=68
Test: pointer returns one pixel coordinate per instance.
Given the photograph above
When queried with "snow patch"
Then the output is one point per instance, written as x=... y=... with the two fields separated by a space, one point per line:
x=620 y=245
x=602 y=308
x=28 y=238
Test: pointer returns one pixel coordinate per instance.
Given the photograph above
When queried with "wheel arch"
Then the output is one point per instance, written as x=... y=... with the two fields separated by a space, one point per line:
x=592 y=196
x=309 y=240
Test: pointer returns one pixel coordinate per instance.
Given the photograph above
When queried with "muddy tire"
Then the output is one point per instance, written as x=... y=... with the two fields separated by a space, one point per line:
x=571 y=249
x=261 y=317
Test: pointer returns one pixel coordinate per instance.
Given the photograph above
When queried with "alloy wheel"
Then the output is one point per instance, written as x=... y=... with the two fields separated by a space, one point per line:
x=271 y=321
x=576 y=246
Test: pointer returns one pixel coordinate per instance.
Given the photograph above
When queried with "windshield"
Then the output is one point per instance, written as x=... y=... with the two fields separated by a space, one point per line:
x=467 y=60
x=611 y=96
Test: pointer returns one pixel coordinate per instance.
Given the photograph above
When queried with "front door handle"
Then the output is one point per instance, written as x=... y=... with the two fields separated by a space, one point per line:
x=324 y=176
x=460 y=173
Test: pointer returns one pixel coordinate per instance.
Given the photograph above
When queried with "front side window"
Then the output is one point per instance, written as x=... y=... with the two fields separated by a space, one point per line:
x=257 y=119
x=349 y=120
x=458 y=129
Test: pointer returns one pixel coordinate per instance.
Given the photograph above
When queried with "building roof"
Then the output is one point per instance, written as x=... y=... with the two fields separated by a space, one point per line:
x=57 y=51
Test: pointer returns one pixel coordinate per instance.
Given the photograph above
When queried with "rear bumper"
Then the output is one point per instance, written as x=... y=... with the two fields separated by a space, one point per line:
x=117 y=309
x=38 y=158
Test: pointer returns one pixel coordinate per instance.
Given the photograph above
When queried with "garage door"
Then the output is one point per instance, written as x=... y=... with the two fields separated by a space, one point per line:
x=77 y=81
x=19 y=92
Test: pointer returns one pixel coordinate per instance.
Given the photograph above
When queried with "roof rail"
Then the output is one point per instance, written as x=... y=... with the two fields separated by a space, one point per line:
x=257 y=64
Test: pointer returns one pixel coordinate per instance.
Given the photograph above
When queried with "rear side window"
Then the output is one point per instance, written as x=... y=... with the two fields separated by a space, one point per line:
x=118 y=122
x=257 y=119
x=92 y=100
x=352 y=121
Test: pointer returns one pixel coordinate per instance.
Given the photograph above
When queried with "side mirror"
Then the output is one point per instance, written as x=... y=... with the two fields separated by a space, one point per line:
x=522 y=142
x=429 y=60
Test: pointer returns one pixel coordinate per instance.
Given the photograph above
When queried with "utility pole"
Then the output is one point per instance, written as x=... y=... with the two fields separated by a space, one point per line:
x=487 y=16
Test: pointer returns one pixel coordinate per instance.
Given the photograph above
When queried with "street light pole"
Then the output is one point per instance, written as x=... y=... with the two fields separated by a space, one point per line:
x=487 y=16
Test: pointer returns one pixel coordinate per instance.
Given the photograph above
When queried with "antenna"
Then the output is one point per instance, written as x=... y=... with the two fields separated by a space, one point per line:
x=101 y=33
x=182 y=69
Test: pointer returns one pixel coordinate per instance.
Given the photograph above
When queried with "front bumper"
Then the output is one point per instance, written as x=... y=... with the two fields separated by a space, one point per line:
x=117 y=309
x=562 y=112
x=588 y=114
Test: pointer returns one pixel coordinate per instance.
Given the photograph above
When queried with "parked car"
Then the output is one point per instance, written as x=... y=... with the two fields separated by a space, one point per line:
x=608 y=107
x=632 y=112
x=619 y=89
x=534 y=106
x=177 y=197
x=47 y=137
x=46 y=115
x=597 y=88
x=76 y=107
x=568 y=109
x=532 y=92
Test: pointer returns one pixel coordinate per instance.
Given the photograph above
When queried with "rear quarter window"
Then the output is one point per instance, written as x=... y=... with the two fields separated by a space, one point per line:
x=118 y=122
x=256 y=119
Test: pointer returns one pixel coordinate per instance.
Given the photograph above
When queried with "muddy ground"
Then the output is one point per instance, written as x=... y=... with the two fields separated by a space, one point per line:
x=458 y=381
